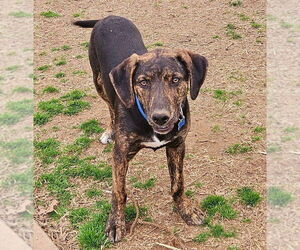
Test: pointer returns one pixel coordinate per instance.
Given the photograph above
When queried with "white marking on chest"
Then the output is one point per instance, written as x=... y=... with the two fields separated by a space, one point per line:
x=156 y=143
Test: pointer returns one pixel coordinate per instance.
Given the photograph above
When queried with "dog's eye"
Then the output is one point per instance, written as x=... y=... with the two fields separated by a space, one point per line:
x=143 y=82
x=175 y=80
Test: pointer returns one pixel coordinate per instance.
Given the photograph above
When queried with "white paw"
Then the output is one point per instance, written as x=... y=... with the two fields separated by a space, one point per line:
x=106 y=137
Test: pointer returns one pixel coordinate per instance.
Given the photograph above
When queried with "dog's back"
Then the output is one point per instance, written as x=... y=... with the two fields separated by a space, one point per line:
x=113 y=39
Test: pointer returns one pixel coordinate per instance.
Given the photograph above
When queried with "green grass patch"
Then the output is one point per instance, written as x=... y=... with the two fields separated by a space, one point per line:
x=235 y=3
x=153 y=45
x=255 y=138
x=47 y=150
x=290 y=129
x=145 y=185
x=130 y=212
x=93 y=192
x=74 y=95
x=50 y=89
x=23 y=107
x=21 y=89
x=108 y=148
x=238 y=149
x=49 y=14
x=43 y=68
x=51 y=107
x=74 y=107
x=215 y=128
x=243 y=17
x=215 y=204
x=62 y=48
x=231 y=32
x=91 y=127
x=9 y=118
x=79 y=72
x=85 y=45
x=79 y=56
x=286 y=138
x=189 y=193
x=60 y=75
x=60 y=62
x=13 y=68
x=248 y=196
x=273 y=148
x=255 y=25
x=20 y=14
x=79 y=145
x=279 y=197
x=78 y=215
x=22 y=181
x=216 y=231
x=41 y=118
x=17 y=151
x=259 y=129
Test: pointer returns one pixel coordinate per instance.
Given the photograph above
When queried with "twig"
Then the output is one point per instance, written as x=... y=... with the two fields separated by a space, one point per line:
x=155 y=225
x=227 y=48
x=136 y=205
x=167 y=246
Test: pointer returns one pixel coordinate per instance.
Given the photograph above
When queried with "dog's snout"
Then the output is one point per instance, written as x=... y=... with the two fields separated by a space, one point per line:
x=160 y=118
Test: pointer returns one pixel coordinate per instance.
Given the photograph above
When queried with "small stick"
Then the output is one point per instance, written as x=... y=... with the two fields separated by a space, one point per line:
x=167 y=246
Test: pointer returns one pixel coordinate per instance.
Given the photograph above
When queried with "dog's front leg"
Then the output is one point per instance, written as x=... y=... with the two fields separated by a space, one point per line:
x=115 y=228
x=189 y=213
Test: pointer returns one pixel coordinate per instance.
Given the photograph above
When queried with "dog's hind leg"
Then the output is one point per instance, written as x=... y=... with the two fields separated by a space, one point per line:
x=107 y=136
x=189 y=213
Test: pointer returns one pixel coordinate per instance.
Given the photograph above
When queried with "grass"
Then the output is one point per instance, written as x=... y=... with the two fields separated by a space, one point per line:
x=223 y=95
x=78 y=215
x=145 y=185
x=79 y=145
x=235 y=3
x=238 y=149
x=17 y=151
x=40 y=118
x=79 y=56
x=108 y=148
x=79 y=72
x=9 y=118
x=248 y=196
x=21 y=89
x=20 y=14
x=216 y=37
x=23 y=107
x=60 y=75
x=85 y=45
x=216 y=231
x=50 y=89
x=13 y=68
x=255 y=138
x=156 y=44
x=215 y=128
x=231 y=33
x=91 y=127
x=189 y=193
x=92 y=193
x=291 y=129
x=74 y=107
x=80 y=14
x=62 y=48
x=22 y=181
x=243 y=17
x=215 y=204
x=60 y=62
x=279 y=197
x=47 y=150
x=68 y=104
x=273 y=148
x=130 y=212
x=259 y=129
x=43 y=68
x=49 y=14
x=255 y=25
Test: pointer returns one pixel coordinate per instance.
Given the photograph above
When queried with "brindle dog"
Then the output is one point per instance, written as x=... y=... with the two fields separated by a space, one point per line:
x=146 y=93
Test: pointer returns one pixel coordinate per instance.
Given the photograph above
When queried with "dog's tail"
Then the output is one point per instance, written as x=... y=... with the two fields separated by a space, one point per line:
x=86 y=23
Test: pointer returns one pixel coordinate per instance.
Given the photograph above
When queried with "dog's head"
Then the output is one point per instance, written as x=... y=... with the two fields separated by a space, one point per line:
x=160 y=79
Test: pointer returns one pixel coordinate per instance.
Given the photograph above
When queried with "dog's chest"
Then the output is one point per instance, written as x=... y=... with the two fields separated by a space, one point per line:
x=155 y=143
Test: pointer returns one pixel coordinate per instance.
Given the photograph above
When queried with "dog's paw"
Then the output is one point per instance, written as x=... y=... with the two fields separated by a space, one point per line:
x=190 y=213
x=115 y=228
x=106 y=137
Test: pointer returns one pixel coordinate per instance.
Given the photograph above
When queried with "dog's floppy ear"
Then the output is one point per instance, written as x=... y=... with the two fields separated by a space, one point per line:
x=197 y=67
x=121 y=79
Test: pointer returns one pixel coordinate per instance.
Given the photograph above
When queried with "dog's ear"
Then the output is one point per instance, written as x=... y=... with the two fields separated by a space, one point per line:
x=197 y=67
x=121 y=79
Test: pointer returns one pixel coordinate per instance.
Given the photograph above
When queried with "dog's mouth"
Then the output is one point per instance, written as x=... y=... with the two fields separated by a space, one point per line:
x=164 y=129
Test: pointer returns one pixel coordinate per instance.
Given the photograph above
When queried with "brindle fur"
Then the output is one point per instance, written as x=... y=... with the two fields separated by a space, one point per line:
x=119 y=61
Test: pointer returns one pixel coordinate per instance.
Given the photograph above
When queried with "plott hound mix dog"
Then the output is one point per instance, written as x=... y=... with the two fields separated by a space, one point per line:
x=146 y=92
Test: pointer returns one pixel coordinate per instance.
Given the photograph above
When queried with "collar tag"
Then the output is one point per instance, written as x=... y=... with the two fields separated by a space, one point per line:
x=181 y=122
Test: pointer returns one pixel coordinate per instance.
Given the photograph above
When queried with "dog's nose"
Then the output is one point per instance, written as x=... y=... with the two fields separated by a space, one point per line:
x=160 y=118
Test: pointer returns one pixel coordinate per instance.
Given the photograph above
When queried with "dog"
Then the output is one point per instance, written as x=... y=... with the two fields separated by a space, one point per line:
x=146 y=92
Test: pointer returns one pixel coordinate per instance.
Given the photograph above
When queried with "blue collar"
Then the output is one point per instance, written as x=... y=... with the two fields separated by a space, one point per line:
x=181 y=122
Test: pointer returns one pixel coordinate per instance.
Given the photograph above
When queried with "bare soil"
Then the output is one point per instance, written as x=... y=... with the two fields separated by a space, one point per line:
x=234 y=65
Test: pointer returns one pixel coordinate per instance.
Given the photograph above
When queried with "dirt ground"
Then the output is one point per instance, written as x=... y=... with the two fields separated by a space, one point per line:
x=236 y=66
